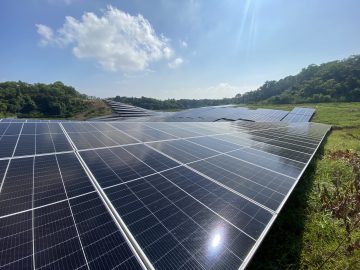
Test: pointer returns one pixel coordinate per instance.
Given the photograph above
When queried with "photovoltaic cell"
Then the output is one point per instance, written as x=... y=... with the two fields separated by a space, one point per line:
x=16 y=245
x=16 y=192
x=13 y=129
x=3 y=127
x=44 y=144
x=104 y=245
x=275 y=163
x=7 y=145
x=259 y=190
x=86 y=141
x=60 y=142
x=29 y=129
x=210 y=213
x=48 y=186
x=148 y=135
x=119 y=138
x=114 y=166
x=182 y=150
x=155 y=160
x=215 y=144
x=174 y=230
x=73 y=175
x=56 y=242
x=179 y=132
x=245 y=215
x=282 y=152
x=25 y=146
x=3 y=166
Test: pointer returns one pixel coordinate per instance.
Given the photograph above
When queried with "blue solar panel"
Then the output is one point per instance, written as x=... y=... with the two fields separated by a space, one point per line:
x=166 y=195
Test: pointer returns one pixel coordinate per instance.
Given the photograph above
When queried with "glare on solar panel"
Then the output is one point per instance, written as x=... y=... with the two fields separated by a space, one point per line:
x=146 y=195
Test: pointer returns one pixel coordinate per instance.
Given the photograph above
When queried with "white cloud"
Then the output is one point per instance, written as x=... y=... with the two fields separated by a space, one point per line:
x=46 y=33
x=176 y=63
x=183 y=44
x=116 y=40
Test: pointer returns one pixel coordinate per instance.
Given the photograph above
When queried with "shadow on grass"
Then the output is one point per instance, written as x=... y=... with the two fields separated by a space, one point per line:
x=281 y=248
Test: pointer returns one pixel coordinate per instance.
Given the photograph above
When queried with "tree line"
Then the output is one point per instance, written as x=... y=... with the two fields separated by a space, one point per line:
x=335 y=81
x=172 y=104
x=40 y=100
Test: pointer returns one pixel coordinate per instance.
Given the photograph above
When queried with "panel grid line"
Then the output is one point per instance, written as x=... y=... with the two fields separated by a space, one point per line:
x=195 y=198
x=171 y=202
x=134 y=246
x=158 y=174
x=264 y=233
x=12 y=155
x=72 y=215
x=214 y=181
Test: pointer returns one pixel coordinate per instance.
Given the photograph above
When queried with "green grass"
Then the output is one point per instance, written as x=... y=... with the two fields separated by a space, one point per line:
x=95 y=108
x=308 y=233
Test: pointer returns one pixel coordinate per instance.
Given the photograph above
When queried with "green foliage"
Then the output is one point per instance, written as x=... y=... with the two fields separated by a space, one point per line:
x=173 y=104
x=335 y=81
x=95 y=108
x=40 y=100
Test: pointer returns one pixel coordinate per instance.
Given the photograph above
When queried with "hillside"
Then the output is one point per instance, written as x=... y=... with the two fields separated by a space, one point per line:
x=329 y=82
x=40 y=100
x=172 y=104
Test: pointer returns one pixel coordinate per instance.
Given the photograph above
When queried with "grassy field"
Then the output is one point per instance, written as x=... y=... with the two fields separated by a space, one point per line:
x=95 y=108
x=319 y=227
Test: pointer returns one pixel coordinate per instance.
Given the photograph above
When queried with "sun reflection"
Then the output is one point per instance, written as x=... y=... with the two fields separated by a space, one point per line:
x=216 y=240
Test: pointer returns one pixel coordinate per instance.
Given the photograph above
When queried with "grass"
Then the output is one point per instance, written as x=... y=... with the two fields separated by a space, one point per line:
x=95 y=108
x=319 y=227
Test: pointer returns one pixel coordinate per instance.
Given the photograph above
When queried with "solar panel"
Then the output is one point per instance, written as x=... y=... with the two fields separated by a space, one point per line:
x=183 y=150
x=52 y=217
x=173 y=228
x=299 y=115
x=140 y=195
x=123 y=112
x=31 y=139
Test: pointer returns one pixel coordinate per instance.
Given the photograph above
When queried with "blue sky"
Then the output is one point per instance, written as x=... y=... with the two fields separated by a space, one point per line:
x=172 y=49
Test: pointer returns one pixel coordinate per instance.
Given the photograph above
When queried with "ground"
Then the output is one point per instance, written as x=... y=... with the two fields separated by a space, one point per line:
x=96 y=108
x=319 y=227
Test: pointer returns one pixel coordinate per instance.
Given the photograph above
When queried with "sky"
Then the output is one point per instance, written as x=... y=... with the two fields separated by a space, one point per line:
x=171 y=49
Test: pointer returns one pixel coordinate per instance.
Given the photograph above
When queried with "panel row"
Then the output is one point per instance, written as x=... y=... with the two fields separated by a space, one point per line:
x=23 y=139
x=38 y=181
x=74 y=234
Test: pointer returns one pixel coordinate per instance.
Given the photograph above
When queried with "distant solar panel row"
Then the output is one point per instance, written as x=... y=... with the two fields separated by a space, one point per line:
x=299 y=115
x=125 y=112
x=143 y=195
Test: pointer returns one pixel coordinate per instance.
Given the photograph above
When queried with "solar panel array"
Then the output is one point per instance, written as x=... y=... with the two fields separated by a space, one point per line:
x=90 y=195
x=299 y=115
x=125 y=112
